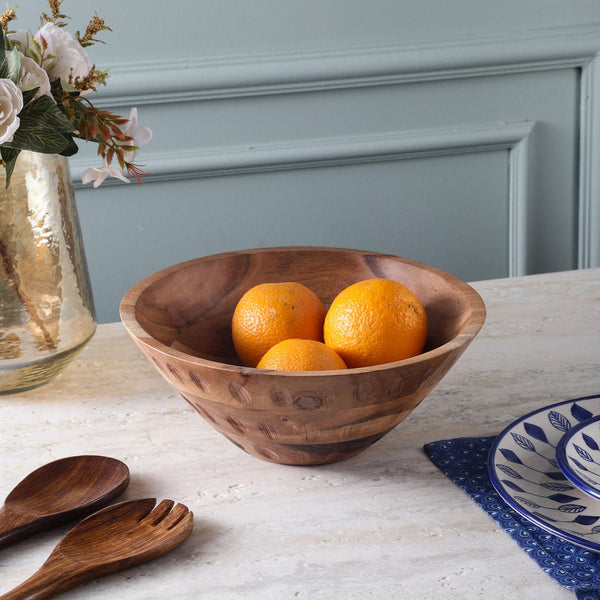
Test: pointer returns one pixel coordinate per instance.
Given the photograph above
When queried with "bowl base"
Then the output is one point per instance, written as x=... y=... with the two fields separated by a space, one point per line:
x=306 y=454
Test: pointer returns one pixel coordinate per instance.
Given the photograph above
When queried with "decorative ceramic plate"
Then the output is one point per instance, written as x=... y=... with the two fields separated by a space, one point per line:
x=578 y=456
x=523 y=469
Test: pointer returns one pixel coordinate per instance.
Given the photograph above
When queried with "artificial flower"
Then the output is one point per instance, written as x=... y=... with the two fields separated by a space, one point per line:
x=65 y=57
x=99 y=174
x=134 y=137
x=11 y=104
x=139 y=135
x=32 y=75
x=44 y=79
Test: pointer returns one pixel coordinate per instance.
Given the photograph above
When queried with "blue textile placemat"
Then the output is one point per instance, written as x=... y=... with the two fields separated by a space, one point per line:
x=464 y=462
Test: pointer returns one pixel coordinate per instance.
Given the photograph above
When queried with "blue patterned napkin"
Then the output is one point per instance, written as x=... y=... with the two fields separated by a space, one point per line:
x=464 y=462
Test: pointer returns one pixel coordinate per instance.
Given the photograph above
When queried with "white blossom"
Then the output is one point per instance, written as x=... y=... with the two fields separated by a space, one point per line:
x=140 y=135
x=11 y=104
x=99 y=174
x=69 y=59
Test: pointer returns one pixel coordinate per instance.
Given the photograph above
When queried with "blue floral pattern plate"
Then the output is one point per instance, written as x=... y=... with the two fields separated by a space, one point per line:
x=523 y=469
x=578 y=456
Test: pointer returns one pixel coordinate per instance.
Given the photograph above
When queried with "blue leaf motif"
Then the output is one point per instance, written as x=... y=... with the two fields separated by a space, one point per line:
x=581 y=414
x=590 y=442
x=562 y=498
x=513 y=486
x=510 y=456
x=571 y=508
x=557 y=487
x=509 y=471
x=559 y=421
x=585 y=519
x=536 y=432
x=527 y=502
x=596 y=529
x=579 y=465
x=583 y=453
x=523 y=442
x=556 y=475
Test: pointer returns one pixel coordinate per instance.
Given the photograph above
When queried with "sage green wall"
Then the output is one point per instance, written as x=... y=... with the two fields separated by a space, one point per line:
x=464 y=134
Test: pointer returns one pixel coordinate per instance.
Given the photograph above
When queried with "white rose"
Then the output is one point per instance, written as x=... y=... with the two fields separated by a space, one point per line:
x=69 y=56
x=11 y=104
x=31 y=74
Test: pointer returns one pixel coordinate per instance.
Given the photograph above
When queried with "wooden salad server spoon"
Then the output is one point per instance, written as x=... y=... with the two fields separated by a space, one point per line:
x=58 y=492
x=112 y=539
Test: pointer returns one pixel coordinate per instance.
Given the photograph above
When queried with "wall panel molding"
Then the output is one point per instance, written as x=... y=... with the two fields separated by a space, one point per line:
x=196 y=79
x=200 y=79
x=516 y=138
x=521 y=183
x=588 y=251
x=326 y=152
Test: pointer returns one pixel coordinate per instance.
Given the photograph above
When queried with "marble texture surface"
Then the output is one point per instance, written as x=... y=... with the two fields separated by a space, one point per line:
x=385 y=524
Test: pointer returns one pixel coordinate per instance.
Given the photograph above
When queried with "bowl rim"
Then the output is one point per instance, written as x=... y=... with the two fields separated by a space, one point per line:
x=141 y=336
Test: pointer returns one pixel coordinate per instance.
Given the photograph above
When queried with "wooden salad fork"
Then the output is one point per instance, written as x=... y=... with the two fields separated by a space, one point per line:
x=112 y=539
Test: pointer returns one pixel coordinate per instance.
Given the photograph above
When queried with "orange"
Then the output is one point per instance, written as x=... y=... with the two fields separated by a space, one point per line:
x=301 y=355
x=269 y=313
x=375 y=321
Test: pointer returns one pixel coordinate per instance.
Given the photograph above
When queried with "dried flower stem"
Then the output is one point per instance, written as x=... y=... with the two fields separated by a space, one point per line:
x=104 y=128
x=8 y=270
x=95 y=26
x=6 y=17
x=56 y=16
x=91 y=81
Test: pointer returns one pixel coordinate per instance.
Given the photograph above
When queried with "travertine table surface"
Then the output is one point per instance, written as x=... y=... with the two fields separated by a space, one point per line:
x=383 y=525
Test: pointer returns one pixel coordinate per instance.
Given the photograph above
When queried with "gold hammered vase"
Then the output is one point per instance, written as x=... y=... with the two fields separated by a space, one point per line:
x=47 y=310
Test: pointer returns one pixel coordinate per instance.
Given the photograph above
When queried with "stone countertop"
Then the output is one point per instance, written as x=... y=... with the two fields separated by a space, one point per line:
x=385 y=524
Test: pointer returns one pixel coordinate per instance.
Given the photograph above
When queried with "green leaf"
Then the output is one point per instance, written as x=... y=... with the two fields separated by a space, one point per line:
x=67 y=87
x=9 y=158
x=42 y=127
x=13 y=61
x=29 y=93
x=72 y=147
x=3 y=61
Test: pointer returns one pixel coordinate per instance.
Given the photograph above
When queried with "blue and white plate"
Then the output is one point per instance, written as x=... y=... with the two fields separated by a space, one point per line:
x=578 y=456
x=523 y=469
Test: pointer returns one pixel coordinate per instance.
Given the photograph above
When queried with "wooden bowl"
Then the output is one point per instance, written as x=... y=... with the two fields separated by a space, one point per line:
x=180 y=317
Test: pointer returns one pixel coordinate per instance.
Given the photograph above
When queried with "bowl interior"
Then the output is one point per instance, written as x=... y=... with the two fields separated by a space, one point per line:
x=189 y=306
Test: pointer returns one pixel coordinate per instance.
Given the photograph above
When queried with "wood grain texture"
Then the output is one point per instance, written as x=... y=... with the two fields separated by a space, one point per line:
x=112 y=539
x=181 y=318
x=58 y=492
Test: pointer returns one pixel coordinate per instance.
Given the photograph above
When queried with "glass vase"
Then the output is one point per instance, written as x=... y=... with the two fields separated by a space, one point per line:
x=47 y=310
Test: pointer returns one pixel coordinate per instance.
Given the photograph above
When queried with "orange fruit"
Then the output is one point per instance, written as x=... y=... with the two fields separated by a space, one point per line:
x=269 y=313
x=301 y=355
x=375 y=321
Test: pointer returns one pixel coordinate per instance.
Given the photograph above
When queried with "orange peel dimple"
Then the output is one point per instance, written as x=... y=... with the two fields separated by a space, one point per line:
x=375 y=321
x=301 y=355
x=269 y=313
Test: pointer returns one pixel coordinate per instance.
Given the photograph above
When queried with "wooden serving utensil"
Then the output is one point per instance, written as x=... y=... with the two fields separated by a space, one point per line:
x=112 y=539
x=58 y=492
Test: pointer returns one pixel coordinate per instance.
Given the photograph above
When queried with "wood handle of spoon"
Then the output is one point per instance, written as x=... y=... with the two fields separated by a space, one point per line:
x=14 y=526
